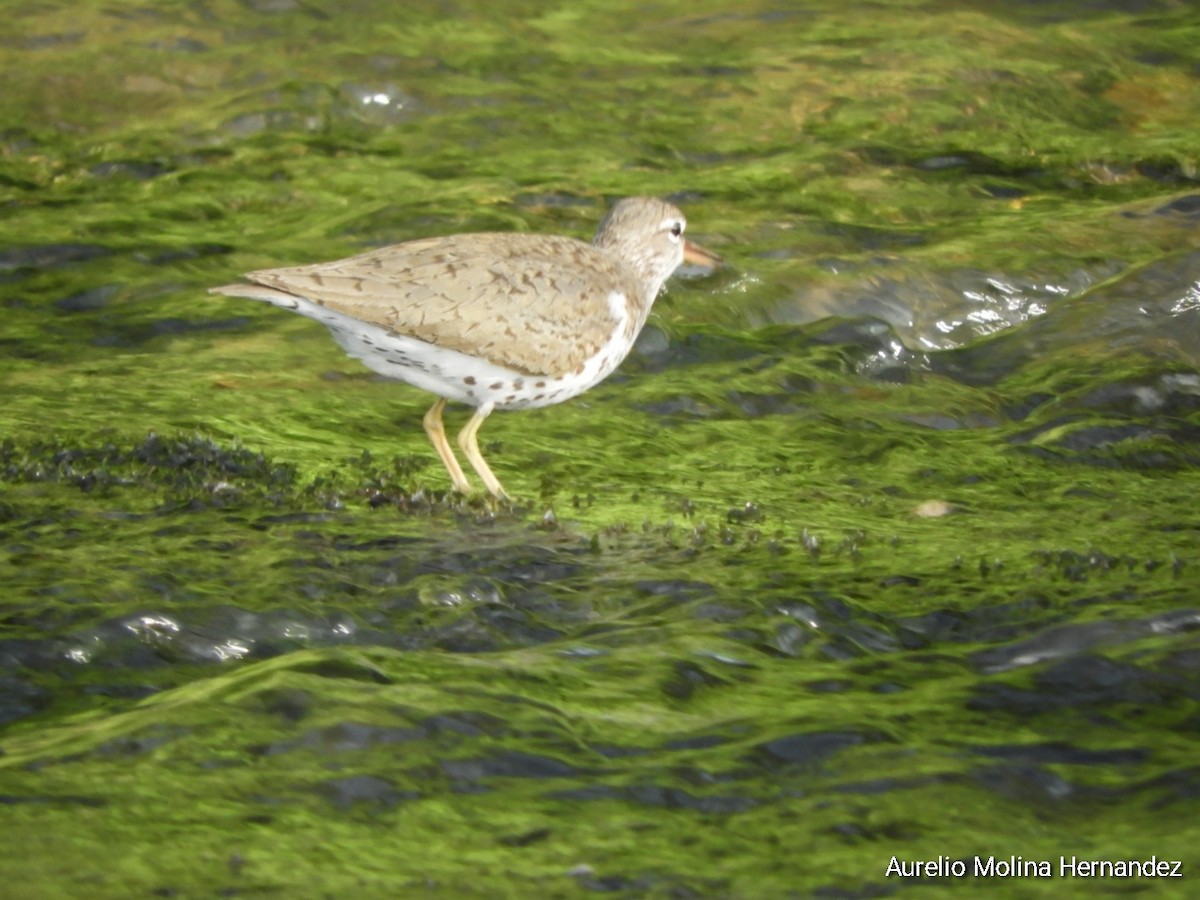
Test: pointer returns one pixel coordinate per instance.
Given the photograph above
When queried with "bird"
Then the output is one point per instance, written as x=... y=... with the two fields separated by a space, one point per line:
x=494 y=320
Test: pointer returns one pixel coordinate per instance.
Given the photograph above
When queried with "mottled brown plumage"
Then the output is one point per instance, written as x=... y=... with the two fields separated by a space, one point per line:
x=501 y=297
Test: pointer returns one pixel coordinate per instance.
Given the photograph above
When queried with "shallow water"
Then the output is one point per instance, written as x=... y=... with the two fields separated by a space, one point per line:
x=882 y=542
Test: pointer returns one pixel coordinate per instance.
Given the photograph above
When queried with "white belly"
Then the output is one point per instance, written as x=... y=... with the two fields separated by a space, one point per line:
x=463 y=378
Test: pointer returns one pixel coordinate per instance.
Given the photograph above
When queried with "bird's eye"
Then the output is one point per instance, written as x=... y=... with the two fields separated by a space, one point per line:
x=676 y=229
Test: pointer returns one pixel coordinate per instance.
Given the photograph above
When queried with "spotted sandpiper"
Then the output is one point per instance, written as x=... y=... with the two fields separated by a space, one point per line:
x=496 y=321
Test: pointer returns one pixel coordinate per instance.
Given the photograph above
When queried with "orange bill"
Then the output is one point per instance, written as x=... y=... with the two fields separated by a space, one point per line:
x=696 y=255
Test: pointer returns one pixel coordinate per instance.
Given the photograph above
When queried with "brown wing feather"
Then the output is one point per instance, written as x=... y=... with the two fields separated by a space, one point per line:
x=536 y=303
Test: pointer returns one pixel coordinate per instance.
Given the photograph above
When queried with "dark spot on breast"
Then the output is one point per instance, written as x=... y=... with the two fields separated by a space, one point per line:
x=470 y=379
x=497 y=386
x=518 y=384
x=539 y=384
x=538 y=396
x=510 y=398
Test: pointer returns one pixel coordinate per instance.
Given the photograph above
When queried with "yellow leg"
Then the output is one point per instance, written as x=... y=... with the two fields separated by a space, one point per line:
x=470 y=446
x=437 y=435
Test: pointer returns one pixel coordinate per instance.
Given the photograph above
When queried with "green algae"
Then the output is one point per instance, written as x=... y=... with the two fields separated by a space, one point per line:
x=734 y=661
x=251 y=816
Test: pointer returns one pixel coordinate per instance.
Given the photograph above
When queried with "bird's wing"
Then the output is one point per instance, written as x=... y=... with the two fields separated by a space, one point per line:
x=535 y=303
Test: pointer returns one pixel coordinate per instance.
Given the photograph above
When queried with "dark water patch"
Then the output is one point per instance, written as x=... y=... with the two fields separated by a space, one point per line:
x=346 y=737
x=697 y=742
x=754 y=406
x=883 y=786
x=1170 y=446
x=310 y=518
x=511 y=764
x=965 y=161
x=1184 y=663
x=682 y=406
x=1187 y=206
x=41 y=257
x=1144 y=420
x=808 y=750
x=181 y=45
x=609 y=751
x=984 y=623
x=1175 y=394
x=370 y=792
x=900 y=581
x=31 y=654
x=1000 y=191
x=1179 y=787
x=527 y=563
x=526 y=838
x=1029 y=785
x=942 y=422
x=971 y=162
x=1090 y=679
x=90 y=300
x=344 y=668
x=169 y=256
x=851 y=640
x=131 y=334
x=48 y=41
x=139 y=744
x=1020 y=409
x=719 y=612
x=1080 y=637
x=1084 y=682
x=1167 y=170
x=697 y=348
x=830 y=686
x=660 y=796
x=466 y=723
x=688 y=679
x=1061 y=753
x=18 y=697
x=290 y=704
x=68 y=800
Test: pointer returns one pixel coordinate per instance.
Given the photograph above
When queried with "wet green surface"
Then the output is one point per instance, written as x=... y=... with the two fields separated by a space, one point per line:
x=787 y=596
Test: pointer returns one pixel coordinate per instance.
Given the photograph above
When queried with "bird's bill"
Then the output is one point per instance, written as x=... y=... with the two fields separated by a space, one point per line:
x=695 y=255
